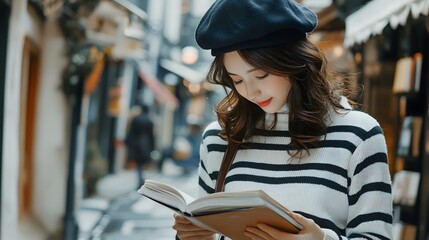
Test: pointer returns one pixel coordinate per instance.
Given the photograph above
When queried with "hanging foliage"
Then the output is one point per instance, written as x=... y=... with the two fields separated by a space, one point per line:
x=77 y=50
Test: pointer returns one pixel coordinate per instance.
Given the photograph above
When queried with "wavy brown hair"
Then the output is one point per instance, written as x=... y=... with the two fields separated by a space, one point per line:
x=314 y=90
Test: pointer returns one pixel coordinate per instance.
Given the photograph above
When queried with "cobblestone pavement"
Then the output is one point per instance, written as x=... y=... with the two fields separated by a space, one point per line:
x=132 y=216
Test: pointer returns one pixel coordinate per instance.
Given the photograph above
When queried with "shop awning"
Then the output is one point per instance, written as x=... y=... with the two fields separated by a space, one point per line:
x=372 y=18
x=162 y=93
x=188 y=73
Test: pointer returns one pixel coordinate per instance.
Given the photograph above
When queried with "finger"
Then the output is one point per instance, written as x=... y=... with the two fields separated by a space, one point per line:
x=259 y=233
x=194 y=235
x=186 y=227
x=305 y=222
x=190 y=227
x=252 y=236
x=274 y=233
x=199 y=233
x=298 y=217
x=186 y=230
x=181 y=219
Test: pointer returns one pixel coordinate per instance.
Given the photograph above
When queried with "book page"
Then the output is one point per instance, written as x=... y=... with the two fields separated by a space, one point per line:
x=224 y=201
x=166 y=194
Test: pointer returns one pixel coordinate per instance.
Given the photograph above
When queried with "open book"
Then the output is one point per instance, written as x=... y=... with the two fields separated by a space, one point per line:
x=227 y=213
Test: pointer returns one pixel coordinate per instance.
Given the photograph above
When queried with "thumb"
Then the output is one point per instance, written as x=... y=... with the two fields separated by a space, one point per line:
x=299 y=218
x=181 y=219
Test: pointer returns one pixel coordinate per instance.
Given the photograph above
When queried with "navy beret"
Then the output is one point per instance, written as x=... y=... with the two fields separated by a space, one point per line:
x=230 y=25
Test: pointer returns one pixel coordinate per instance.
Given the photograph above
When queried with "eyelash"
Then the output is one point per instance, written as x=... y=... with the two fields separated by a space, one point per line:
x=237 y=82
x=262 y=77
x=259 y=78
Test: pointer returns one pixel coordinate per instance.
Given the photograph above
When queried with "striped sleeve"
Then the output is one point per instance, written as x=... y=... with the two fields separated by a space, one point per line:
x=369 y=191
x=206 y=185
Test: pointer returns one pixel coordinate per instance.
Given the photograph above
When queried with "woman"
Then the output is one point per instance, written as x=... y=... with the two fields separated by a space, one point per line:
x=303 y=143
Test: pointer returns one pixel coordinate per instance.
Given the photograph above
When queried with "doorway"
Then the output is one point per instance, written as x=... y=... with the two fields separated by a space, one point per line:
x=29 y=89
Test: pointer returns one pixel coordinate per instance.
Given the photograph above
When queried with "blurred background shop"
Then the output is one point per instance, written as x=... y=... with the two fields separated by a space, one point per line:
x=71 y=73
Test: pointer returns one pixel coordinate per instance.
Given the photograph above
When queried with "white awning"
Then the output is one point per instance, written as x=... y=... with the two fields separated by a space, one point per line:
x=372 y=18
x=193 y=76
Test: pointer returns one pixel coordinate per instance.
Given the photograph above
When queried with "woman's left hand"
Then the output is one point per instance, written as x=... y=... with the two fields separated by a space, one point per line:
x=310 y=231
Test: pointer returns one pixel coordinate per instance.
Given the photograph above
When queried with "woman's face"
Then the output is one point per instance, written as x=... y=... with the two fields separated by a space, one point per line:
x=268 y=91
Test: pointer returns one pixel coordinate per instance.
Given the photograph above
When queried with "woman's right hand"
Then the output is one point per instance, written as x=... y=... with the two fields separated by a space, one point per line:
x=188 y=231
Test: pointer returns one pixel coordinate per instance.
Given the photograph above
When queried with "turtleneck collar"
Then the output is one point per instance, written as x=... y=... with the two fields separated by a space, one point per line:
x=284 y=109
x=282 y=118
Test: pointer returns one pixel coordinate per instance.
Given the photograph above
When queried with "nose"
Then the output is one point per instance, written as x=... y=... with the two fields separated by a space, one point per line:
x=252 y=91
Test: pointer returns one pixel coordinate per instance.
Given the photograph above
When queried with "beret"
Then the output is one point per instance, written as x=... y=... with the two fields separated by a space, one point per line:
x=230 y=25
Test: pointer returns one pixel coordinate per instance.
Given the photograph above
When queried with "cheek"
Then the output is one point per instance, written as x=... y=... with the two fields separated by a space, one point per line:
x=284 y=84
x=281 y=88
x=241 y=90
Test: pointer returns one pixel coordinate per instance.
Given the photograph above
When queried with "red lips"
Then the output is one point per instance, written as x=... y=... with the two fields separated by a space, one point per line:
x=265 y=103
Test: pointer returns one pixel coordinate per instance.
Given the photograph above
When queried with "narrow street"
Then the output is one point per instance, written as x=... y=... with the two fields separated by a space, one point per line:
x=88 y=88
x=134 y=217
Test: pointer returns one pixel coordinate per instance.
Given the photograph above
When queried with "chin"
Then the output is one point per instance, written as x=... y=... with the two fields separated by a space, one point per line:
x=269 y=110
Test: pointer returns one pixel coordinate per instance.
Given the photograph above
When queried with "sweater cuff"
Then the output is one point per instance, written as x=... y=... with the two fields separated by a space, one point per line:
x=328 y=234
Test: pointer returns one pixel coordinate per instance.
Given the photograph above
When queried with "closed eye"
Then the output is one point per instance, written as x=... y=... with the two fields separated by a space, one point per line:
x=237 y=82
x=262 y=77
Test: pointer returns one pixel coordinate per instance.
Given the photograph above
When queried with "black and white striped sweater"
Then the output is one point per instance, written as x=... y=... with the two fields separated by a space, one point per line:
x=344 y=185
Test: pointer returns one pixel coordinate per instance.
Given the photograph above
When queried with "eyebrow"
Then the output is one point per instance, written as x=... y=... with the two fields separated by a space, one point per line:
x=249 y=71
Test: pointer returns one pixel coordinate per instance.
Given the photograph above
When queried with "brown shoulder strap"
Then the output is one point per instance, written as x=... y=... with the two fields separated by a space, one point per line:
x=228 y=157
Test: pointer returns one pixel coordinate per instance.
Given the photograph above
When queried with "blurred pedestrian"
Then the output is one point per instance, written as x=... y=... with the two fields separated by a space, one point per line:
x=140 y=141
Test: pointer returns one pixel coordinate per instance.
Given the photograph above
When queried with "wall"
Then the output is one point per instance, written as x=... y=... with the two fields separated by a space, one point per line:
x=51 y=141
x=51 y=153
x=10 y=168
